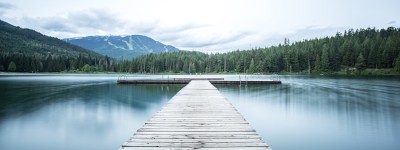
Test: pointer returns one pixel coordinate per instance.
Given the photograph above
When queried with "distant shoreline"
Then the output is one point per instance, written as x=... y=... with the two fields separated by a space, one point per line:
x=370 y=72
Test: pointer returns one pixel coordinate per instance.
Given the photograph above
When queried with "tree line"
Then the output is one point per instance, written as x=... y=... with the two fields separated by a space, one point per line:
x=20 y=62
x=352 y=50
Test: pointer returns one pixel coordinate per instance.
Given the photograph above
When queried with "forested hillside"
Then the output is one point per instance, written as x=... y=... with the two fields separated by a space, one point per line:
x=351 y=50
x=25 y=50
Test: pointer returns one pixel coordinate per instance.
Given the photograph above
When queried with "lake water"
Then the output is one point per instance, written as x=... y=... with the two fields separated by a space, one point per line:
x=304 y=113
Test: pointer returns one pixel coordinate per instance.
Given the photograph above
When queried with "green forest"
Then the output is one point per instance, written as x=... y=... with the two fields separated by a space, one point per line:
x=25 y=50
x=353 y=50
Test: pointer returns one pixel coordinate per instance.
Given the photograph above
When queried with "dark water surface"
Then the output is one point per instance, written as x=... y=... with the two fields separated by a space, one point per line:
x=304 y=113
x=83 y=112
x=322 y=113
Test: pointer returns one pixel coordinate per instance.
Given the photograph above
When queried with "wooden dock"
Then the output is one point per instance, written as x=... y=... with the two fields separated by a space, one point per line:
x=197 y=117
x=187 y=80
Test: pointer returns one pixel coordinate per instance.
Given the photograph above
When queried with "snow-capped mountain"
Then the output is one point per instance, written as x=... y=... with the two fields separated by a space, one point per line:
x=121 y=47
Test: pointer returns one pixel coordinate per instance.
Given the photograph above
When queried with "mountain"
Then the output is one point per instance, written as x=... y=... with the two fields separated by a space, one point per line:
x=122 y=47
x=14 y=39
x=25 y=50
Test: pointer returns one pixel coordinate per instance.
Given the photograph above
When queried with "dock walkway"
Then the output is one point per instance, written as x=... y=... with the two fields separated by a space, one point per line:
x=197 y=117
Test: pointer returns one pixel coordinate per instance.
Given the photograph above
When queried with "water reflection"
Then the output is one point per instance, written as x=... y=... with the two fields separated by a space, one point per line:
x=93 y=112
x=322 y=113
x=74 y=112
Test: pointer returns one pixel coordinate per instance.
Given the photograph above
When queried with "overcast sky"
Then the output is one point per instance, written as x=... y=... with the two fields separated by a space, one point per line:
x=203 y=25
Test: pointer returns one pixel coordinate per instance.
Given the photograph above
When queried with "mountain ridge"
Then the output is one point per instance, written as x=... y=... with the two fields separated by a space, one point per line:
x=26 y=50
x=15 y=38
x=121 y=46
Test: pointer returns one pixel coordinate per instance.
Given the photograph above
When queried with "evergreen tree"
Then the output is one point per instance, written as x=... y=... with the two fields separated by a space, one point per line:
x=252 y=67
x=397 y=63
x=86 y=68
x=12 y=67
x=386 y=58
x=192 y=68
x=324 y=60
x=260 y=67
x=360 y=64
x=317 y=66
x=372 y=58
x=239 y=65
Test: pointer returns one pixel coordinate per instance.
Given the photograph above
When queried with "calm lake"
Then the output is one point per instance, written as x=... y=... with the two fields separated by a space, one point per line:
x=82 y=112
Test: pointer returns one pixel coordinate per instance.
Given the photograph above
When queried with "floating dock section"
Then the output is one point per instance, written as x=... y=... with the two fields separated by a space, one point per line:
x=197 y=117
x=187 y=80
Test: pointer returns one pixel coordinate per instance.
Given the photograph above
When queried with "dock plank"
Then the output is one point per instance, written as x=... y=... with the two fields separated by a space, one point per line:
x=197 y=117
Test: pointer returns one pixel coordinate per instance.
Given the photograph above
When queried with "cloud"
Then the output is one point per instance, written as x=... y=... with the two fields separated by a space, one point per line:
x=92 y=21
x=213 y=39
x=306 y=33
x=52 y=24
x=203 y=42
x=391 y=22
x=4 y=7
x=173 y=33
x=198 y=24
x=189 y=36
x=85 y=23
x=250 y=40
x=96 y=18
x=104 y=22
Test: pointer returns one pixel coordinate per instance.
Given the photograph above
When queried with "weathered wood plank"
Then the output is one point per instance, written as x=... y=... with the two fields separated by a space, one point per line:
x=193 y=130
x=199 y=120
x=196 y=133
x=194 y=114
x=197 y=117
x=194 y=145
x=212 y=122
x=196 y=125
x=172 y=148
x=243 y=140
x=194 y=136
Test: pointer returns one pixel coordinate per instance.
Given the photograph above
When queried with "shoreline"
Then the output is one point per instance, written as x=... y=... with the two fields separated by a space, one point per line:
x=124 y=73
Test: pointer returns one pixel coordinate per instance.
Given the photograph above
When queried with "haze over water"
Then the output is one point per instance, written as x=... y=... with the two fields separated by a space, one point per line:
x=305 y=112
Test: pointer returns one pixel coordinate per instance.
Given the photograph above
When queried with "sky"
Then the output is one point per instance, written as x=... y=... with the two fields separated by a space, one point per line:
x=202 y=25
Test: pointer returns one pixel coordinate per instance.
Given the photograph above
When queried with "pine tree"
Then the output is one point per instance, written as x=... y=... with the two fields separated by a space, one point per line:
x=252 y=67
x=239 y=65
x=397 y=63
x=325 y=59
x=372 y=57
x=12 y=67
x=260 y=67
x=317 y=66
x=86 y=68
x=192 y=68
x=360 y=64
